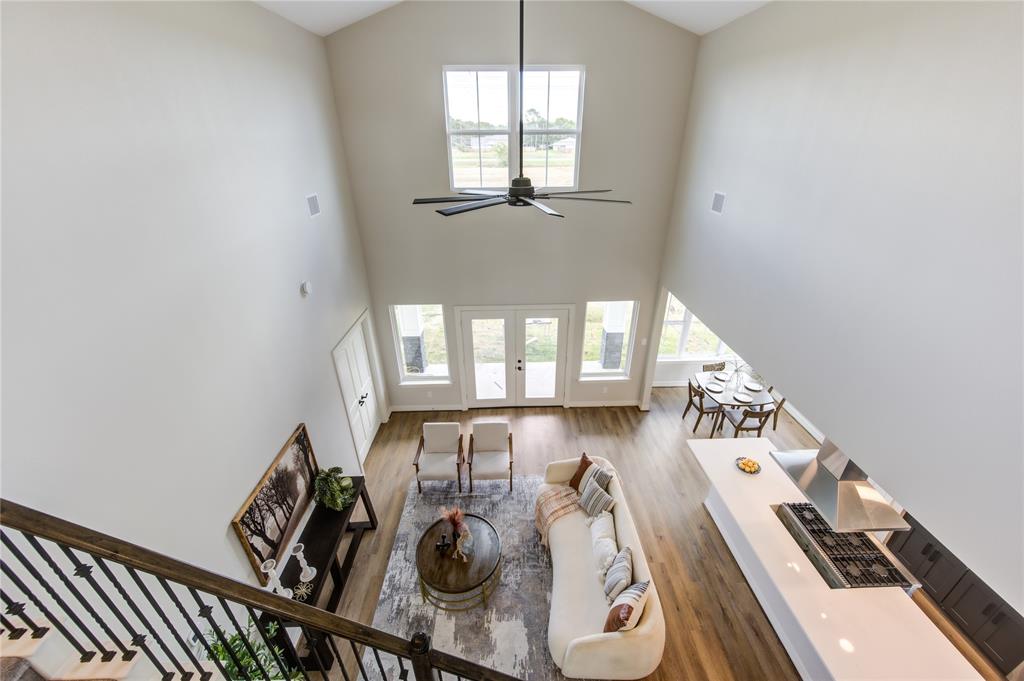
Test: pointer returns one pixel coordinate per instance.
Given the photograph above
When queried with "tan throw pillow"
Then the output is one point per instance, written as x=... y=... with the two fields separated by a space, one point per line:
x=577 y=477
x=602 y=536
x=627 y=608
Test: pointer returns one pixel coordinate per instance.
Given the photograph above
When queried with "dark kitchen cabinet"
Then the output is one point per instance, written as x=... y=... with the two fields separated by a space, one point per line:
x=1002 y=639
x=940 y=572
x=971 y=604
x=913 y=546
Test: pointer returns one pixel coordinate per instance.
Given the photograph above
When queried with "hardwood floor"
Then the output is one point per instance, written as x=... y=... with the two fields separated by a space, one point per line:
x=716 y=629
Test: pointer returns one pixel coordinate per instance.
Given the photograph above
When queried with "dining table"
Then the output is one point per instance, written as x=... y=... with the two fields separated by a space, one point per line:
x=733 y=389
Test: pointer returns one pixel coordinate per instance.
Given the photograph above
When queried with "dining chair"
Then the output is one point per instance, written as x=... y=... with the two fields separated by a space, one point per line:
x=717 y=366
x=775 y=407
x=704 y=404
x=439 y=455
x=747 y=420
x=490 y=452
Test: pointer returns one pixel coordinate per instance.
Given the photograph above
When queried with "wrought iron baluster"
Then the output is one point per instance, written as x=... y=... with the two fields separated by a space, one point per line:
x=206 y=612
x=440 y=676
x=13 y=632
x=291 y=647
x=192 y=625
x=359 y=659
x=380 y=665
x=16 y=609
x=337 y=656
x=85 y=654
x=158 y=609
x=105 y=655
x=130 y=602
x=402 y=673
x=314 y=646
x=85 y=572
x=244 y=635
x=285 y=670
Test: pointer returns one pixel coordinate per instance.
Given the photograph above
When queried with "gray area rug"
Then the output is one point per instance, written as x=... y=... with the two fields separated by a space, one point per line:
x=510 y=633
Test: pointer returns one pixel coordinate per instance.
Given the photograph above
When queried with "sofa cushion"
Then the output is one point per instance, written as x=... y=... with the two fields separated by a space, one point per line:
x=438 y=466
x=578 y=607
x=619 y=574
x=628 y=607
x=602 y=535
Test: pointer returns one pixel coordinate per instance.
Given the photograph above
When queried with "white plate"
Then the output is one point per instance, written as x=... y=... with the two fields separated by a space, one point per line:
x=753 y=386
x=720 y=375
x=743 y=397
x=713 y=388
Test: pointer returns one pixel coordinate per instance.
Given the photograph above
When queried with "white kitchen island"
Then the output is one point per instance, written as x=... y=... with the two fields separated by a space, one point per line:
x=875 y=633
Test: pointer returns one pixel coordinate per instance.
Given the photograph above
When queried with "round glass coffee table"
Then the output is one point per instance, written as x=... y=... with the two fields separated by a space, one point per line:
x=449 y=583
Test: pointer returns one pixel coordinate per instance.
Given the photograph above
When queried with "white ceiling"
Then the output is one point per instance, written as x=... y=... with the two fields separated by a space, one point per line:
x=324 y=17
x=699 y=16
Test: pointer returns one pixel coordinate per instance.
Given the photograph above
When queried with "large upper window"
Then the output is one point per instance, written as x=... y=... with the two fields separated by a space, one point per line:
x=683 y=336
x=608 y=338
x=420 y=339
x=481 y=109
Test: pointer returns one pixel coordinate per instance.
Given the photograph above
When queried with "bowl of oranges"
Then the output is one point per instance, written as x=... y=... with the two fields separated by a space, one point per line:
x=748 y=465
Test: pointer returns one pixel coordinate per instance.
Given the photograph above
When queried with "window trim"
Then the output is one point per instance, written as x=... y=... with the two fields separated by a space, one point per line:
x=686 y=323
x=610 y=374
x=405 y=378
x=513 y=121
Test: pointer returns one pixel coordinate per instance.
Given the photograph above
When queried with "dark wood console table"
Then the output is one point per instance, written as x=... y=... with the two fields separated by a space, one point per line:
x=322 y=537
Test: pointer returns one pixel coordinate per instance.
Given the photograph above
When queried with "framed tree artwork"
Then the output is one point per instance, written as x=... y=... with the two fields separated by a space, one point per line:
x=268 y=518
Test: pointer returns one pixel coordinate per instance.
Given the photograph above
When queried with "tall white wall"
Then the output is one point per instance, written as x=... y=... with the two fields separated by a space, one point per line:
x=868 y=261
x=156 y=351
x=387 y=75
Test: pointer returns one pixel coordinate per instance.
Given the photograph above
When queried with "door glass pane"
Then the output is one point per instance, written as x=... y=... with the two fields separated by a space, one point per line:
x=541 y=356
x=489 y=358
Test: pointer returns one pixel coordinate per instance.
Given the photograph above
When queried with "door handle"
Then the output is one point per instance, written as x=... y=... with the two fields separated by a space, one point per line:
x=988 y=609
x=362 y=398
x=519 y=365
x=935 y=556
x=999 y=618
x=927 y=547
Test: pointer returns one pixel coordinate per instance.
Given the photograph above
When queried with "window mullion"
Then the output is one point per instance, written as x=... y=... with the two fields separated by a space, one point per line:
x=479 y=138
x=547 y=118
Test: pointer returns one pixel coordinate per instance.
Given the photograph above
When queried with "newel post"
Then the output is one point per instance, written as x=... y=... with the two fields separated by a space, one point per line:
x=421 y=666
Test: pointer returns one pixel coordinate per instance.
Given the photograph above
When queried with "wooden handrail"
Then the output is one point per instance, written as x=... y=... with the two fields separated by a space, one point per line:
x=18 y=517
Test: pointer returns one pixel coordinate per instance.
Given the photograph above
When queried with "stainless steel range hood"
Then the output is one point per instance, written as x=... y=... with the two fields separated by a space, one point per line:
x=839 y=489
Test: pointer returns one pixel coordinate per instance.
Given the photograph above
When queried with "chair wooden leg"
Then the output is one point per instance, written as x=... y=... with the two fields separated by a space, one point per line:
x=458 y=476
x=419 y=486
x=470 y=480
x=510 y=480
x=696 y=425
x=687 y=410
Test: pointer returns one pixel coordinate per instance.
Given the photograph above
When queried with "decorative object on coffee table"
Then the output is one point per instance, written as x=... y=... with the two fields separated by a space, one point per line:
x=459 y=584
x=461 y=532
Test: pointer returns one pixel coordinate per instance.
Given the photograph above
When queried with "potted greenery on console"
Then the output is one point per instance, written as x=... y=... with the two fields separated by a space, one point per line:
x=334 y=489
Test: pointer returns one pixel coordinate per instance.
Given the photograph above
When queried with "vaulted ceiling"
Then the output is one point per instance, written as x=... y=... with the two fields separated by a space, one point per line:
x=324 y=17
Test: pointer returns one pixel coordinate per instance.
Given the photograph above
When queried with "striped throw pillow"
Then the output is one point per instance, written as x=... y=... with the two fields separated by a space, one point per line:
x=594 y=499
x=598 y=474
x=627 y=608
x=619 y=575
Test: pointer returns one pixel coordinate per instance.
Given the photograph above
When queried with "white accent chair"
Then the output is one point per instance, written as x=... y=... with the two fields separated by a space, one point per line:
x=439 y=456
x=490 y=452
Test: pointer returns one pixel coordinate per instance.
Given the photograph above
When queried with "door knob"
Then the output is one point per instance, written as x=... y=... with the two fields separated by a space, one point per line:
x=362 y=398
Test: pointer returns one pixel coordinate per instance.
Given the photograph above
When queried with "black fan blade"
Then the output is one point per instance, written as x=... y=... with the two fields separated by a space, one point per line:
x=578 y=191
x=485 y=192
x=549 y=211
x=449 y=199
x=472 y=205
x=584 y=198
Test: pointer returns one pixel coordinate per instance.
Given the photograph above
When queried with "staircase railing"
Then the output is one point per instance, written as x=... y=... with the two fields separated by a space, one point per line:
x=110 y=599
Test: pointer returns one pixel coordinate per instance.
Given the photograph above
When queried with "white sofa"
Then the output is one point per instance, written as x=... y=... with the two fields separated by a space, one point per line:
x=576 y=635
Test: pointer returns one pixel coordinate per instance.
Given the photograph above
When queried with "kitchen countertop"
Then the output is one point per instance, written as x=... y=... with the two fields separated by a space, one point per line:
x=874 y=633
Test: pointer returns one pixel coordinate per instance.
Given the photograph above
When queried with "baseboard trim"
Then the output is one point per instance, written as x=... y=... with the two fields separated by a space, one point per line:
x=670 y=384
x=426 y=407
x=605 y=403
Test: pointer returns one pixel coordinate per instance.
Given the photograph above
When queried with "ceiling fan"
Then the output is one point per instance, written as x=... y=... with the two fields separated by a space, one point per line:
x=522 y=192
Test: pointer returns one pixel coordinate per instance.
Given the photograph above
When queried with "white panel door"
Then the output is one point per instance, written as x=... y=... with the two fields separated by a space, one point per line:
x=352 y=363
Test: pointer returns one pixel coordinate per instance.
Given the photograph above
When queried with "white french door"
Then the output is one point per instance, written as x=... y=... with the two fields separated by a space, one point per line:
x=514 y=356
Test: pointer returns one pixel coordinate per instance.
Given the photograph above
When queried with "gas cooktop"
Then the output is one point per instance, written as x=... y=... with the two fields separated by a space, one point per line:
x=844 y=559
